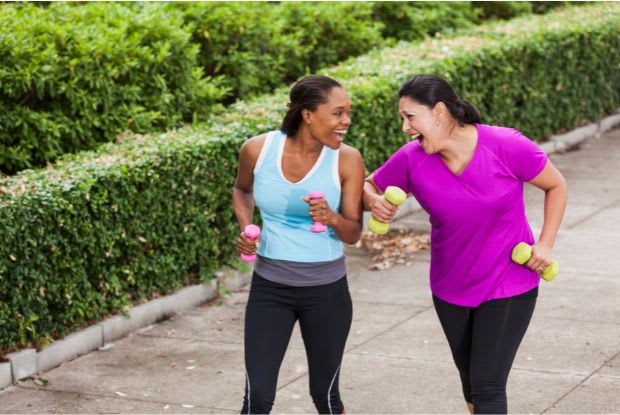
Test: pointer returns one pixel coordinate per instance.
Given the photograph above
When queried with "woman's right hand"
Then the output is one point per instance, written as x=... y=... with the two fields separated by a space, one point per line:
x=246 y=245
x=383 y=211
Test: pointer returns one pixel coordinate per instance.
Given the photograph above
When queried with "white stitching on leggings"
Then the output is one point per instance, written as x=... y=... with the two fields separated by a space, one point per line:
x=247 y=378
x=329 y=402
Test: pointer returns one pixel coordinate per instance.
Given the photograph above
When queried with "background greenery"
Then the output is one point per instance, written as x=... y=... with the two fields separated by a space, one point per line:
x=75 y=75
x=101 y=230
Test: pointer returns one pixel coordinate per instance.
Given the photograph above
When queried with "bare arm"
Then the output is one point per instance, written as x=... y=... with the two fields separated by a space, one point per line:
x=554 y=185
x=348 y=223
x=375 y=202
x=242 y=195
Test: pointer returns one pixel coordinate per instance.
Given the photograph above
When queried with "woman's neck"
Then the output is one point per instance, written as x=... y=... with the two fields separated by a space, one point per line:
x=460 y=144
x=304 y=144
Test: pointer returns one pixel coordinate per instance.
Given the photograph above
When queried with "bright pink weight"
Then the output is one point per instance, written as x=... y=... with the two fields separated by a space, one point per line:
x=251 y=231
x=317 y=227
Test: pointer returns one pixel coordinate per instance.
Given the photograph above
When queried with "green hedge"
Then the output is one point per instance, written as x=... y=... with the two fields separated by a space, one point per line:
x=502 y=9
x=104 y=229
x=255 y=46
x=414 y=20
x=73 y=77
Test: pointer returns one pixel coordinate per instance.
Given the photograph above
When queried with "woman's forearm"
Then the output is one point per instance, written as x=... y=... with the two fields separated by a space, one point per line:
x=555 y=205
x=371 y=195
x=348 y=230
x=243 y=206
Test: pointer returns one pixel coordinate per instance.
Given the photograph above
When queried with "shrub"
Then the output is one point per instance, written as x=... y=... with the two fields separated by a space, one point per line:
x=415 y=20
x=103 y=229
x=74 y=77
x=502 y=9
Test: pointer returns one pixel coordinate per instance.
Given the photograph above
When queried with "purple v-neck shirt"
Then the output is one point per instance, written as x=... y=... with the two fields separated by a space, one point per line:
x=477 y=217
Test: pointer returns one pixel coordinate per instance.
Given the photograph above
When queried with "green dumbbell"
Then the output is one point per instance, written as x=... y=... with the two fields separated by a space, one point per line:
x=522 y=252
x=394 y=195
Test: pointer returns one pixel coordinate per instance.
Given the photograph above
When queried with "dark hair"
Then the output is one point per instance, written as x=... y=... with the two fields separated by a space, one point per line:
x=430 y=89
x=307 y=93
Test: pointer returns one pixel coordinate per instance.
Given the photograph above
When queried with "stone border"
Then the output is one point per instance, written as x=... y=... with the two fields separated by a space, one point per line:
x=28 y=362
x=6 y=375
x=563 y=142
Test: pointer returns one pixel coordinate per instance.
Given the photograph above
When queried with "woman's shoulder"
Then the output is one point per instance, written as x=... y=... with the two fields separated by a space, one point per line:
x=256 y=141
x=501 y=139
x=252 y=147
x=349 y=159
x=348 y=152
x=494 y=132
x=412 y=149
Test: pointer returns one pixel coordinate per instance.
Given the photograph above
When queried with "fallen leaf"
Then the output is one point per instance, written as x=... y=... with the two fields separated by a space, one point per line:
x=395 y=247
x=41 y=382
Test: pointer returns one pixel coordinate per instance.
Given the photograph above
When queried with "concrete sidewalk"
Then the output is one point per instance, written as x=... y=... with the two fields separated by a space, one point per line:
x=397 y=359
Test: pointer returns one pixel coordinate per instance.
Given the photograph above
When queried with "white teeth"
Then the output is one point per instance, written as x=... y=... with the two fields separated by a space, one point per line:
x=416 y=136
x=340 y=131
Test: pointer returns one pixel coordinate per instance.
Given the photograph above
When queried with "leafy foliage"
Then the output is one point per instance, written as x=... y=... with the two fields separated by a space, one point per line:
x=73 y=77
x=100 y=230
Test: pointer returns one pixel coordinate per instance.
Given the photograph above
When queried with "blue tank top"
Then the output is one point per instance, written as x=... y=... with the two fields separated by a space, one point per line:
x=286 y=231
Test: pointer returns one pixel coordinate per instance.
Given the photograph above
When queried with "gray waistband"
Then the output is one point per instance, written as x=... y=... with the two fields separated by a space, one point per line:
x=300 y=274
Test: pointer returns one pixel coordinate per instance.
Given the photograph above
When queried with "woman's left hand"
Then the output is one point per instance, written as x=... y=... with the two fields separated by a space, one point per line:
x=540 y=259
x=320 y=211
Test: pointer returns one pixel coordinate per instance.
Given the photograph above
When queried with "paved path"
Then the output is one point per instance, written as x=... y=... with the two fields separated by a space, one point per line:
x=397 y=359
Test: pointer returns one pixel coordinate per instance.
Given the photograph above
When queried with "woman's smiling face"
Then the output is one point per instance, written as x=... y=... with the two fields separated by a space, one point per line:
x=419 y=123
x=330 y=120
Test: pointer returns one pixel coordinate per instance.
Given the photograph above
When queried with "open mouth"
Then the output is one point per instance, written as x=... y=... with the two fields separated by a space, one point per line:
x=418 y=137
x=340 y=134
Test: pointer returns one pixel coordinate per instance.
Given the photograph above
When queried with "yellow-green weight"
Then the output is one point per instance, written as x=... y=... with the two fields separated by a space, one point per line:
x=522 y=252
x=396 y=196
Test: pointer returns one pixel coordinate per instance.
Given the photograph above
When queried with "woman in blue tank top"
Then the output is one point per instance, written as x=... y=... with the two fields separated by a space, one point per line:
x=299 y=274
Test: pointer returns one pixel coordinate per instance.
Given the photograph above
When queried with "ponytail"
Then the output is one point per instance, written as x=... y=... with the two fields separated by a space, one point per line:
x=430 y=89
x=466 y=112
x=292 y=120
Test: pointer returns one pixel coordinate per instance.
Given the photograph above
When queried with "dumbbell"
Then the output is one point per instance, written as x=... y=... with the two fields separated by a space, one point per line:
x=251 y=231
x=317 y=227
x=396 y=196
x=522 y=252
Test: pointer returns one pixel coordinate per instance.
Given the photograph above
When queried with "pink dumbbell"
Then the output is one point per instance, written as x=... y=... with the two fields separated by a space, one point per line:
x=251 y=231
x=317 y=227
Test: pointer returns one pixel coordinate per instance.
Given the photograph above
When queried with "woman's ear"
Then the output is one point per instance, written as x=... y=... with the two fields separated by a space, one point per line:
x=440 y=109
x=439 y=112
x=306 y=115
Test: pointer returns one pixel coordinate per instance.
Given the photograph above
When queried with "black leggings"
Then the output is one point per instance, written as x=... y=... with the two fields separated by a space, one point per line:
x=324 y=313
x=484 y=341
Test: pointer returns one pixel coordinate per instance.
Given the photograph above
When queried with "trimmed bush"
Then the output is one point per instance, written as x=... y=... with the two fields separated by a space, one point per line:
x=414 y=20
x=502 y=9
x=253 y=47
x=73 y=77
x=104 y=229
x=256 y=46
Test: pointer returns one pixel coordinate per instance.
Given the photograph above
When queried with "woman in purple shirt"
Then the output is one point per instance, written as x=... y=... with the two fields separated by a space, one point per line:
x=469 y=178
